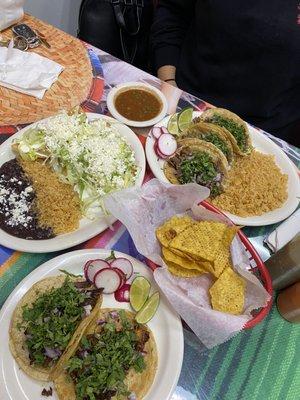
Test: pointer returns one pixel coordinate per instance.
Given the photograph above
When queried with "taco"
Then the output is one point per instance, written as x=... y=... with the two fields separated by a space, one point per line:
x=115 y=358
x=210 y=133
x=235 y=128
x=200 y=162
x=47 y=319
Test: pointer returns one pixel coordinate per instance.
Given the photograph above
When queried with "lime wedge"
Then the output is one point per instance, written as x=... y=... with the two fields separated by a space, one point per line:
x=185 y=118
x=173 y=125
x=139 y=292
x=148 y=310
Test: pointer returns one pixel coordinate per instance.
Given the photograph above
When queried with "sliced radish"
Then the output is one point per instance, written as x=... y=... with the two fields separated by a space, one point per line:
x=124 y=265
x=107 y=279
x=166 y=144
x=122 y=294
x=156 y=132
x=122 y=276
x=158 y=152
x=94 y=267
x=164 y=129
x=85 y=268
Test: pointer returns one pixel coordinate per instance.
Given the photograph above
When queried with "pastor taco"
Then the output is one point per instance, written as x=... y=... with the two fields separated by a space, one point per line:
x=115 y=358
x=210 y=133
x=236 y=129
x=48 y=319
x=200 y=162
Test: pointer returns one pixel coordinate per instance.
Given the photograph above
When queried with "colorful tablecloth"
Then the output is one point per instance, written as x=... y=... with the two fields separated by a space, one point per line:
x=258 y=364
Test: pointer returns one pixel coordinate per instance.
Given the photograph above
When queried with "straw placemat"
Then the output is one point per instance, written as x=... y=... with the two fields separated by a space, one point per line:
x=71 y=88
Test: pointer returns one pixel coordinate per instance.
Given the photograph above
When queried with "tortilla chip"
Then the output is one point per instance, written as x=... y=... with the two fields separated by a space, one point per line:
x=177 y=270
x=223 y=256
x=228 y=292
x=170 y=229
x=183 y=261
x=201 y=240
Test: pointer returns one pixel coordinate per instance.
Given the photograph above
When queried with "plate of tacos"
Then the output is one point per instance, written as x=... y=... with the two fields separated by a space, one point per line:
x=250 y=178
x=67 y=335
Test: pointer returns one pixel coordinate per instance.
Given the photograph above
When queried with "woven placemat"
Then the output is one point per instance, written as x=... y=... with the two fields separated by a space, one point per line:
x=71 y=88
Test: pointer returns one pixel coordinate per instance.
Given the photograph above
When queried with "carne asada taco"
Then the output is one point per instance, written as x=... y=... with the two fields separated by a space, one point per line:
x=200 y=162
x=47 y=319
x=210 y=133
x=115 y=358
x=236 y=129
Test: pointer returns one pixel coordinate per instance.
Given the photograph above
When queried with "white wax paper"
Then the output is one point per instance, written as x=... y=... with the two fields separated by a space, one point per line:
x=142 y=210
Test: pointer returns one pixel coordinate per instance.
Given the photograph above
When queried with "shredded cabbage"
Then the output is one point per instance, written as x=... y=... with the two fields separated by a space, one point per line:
x=91 y=156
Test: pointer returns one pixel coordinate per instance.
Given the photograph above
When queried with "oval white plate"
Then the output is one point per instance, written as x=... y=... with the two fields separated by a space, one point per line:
x=165 y=325
x=87 y=228
x=261 y=143
x=112 y=109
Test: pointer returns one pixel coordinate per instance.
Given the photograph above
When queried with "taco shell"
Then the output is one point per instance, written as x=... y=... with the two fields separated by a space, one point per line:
x=208 y=115
x=193 y=145
x=205 y=131
x=17 y=336
x=139 y=383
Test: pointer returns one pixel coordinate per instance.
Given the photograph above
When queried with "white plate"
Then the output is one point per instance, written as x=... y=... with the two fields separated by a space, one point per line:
x=87 y=228
x=165 y=325
x=112 y=109
x=262 y=143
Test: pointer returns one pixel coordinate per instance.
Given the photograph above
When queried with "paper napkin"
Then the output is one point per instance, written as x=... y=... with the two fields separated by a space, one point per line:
x=26 y=72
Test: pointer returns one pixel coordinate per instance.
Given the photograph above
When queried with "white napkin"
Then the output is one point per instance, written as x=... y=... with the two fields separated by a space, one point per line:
x=284 y=233
x=26 y=72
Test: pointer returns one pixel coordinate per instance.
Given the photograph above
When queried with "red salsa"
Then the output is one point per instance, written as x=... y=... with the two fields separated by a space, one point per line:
x=138 y=104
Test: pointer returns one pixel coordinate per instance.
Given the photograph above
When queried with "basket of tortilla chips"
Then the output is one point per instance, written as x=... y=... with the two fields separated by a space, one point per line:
x=209 y=271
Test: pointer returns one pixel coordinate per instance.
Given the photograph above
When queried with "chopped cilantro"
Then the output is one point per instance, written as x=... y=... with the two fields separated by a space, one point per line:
x=101 y=371
x=218 y=142
x=237 y=130
x=51 y=320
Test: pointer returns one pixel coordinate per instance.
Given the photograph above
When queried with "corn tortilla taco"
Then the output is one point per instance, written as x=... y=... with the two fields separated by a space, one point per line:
x=210 y=133
x=235 y=128
x=47 y=319
x=115 y=358
x=199 y=162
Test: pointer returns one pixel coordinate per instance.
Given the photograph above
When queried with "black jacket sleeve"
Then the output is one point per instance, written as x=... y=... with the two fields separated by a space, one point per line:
x=171 y=21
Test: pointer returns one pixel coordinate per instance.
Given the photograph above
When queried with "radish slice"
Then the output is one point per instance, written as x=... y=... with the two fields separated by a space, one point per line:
x=94 y=267
x=122 y=294
x=85 y=268
x=167 y=144
x=122 y=276
x=164 y=129
x=156 y=132
x=124 y=265
x=108 y=280
x=158 y=152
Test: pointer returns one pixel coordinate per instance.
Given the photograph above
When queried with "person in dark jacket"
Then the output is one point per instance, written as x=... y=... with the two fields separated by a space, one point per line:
x=239 y=55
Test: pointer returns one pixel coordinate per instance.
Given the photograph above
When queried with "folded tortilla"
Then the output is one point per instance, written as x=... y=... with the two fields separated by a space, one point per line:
x=236 y=129
x=210 y=133
x=17 y=338
x=138 y=383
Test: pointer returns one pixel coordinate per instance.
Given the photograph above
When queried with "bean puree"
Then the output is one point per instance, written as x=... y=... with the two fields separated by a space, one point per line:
x=17 y=197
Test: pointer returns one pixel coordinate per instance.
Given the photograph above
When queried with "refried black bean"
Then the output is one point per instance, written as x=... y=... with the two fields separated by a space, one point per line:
x=17 y=198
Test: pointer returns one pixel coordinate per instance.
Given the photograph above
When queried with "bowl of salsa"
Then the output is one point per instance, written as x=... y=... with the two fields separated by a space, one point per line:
x=137 y=104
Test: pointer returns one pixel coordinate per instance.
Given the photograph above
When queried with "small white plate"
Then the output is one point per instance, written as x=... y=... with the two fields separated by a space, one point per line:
x=262 y=143
x=165 y=325
x=136 y=85
x=87 y=228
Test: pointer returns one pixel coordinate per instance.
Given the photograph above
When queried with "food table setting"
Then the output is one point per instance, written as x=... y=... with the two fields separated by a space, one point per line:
x=223 y=350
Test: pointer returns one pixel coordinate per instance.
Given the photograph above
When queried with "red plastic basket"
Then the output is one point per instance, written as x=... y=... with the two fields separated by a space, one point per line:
x=257 y=267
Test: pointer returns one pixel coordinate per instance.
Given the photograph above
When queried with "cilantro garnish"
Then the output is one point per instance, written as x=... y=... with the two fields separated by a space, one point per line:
x=99 y=366
x=237 y=130
x=51 y=321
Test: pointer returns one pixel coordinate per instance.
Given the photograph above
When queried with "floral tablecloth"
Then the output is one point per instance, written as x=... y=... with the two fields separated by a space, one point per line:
x=258 y=364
